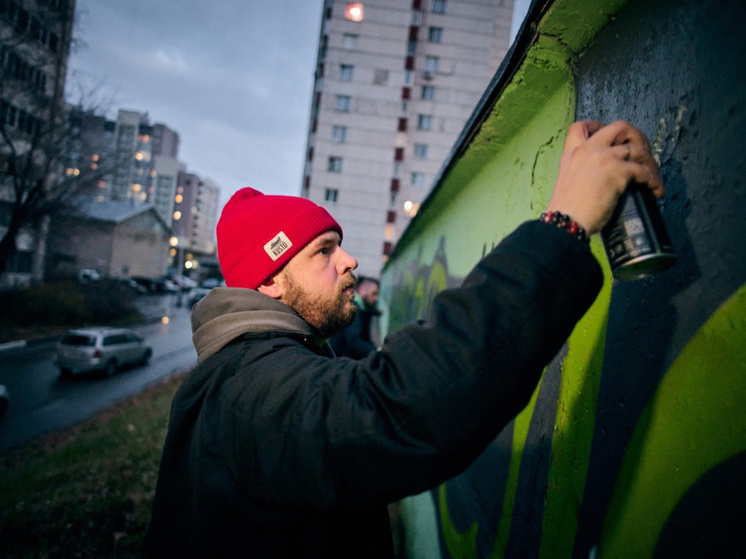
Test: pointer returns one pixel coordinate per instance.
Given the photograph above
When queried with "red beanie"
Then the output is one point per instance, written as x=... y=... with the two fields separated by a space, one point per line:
x=258 y=234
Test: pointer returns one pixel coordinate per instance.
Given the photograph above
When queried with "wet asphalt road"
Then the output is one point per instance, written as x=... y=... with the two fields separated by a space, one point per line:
x=42 y=401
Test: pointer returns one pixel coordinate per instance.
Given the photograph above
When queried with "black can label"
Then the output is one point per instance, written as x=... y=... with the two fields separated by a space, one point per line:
x=636 y=241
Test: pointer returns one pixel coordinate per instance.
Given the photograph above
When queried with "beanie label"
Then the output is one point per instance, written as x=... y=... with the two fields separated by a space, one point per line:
x=277 y=246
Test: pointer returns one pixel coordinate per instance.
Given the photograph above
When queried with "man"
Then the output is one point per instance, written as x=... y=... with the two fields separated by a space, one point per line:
x=360 y=337
x=275 y=449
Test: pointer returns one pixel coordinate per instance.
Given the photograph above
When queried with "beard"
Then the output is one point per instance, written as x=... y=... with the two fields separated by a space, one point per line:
x=326 y=314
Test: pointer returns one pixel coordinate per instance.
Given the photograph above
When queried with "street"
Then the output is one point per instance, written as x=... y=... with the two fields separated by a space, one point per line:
x=42 y=401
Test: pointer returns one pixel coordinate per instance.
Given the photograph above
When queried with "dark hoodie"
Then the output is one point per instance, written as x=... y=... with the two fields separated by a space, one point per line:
x=277 y=449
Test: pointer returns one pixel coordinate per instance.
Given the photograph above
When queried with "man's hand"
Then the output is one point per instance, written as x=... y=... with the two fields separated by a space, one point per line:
x=597 y=165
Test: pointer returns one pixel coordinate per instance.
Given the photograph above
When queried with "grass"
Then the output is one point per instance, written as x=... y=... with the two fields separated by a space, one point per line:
x=86 y=491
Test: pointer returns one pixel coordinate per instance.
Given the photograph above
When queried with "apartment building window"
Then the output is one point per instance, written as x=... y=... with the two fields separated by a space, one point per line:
x=349 y=41
x=354 y=11
x=339 y=134
x=19 y=68
x=435 y=35
x=411 y=47
x=418 y=180
x=428 y=93
x=431 y=63
x=380 y=76
x=438 y=6
x=420 y=151
x=342 y=103
x=402 y=126
x=345 y=72
x=13 y=117
x=330 y=194
x=335 y=164
x=424 y=122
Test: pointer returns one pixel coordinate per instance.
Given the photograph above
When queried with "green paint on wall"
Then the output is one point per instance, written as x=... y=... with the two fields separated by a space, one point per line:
x=508 y=172
x=460 y=545
x=577 y=22
x=500 y=195
x=520 y=434
x=464 y=544
x=695 y=421
x=513 y=184
x=575 y=422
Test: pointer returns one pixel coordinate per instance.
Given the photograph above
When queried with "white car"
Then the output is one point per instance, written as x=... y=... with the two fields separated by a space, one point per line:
x=100 y=349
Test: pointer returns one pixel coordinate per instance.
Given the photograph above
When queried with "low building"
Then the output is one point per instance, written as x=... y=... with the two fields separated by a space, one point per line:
x=117 y=239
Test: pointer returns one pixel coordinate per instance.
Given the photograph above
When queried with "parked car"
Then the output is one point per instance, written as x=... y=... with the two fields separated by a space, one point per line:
x=184 y=283
x=156 y=286
x=87 y=275
x=213 y=282
x=100 y=349
x=136 y=287
x=4 y=401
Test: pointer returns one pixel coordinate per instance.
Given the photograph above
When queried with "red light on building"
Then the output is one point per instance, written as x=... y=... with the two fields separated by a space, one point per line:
x=354 y=11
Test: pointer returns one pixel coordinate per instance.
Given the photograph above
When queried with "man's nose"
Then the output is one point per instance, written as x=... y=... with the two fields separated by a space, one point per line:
x=345 y=262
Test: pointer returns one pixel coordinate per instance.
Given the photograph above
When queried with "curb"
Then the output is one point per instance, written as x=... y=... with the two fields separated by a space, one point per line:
x=13 y=345
x=20 y=344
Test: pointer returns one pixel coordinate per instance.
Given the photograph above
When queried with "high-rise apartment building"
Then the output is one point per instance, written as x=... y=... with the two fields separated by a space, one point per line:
x=195 y=214
x=144 y=162
x=141 y=165
x=396 y=80
x=35 y=38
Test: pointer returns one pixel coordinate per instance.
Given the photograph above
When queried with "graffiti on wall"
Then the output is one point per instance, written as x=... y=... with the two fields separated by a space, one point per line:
x=634 y=443
x=522 y=497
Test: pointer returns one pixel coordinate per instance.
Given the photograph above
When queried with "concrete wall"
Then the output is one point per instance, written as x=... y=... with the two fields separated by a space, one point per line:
x=634 y=444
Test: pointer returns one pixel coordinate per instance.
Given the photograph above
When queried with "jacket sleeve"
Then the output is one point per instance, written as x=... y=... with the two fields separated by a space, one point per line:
x=343 y=433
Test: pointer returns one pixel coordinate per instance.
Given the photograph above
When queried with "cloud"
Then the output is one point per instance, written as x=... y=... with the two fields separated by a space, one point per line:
x=234 y=81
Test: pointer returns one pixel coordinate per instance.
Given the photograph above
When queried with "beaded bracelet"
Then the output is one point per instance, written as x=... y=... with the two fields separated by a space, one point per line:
x=564 y=222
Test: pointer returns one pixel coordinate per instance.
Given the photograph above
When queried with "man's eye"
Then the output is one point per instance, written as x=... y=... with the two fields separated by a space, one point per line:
x=325 y=251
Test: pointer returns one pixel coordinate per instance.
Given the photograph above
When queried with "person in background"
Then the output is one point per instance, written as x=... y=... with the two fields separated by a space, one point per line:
x=361 y=337
x=277 y=449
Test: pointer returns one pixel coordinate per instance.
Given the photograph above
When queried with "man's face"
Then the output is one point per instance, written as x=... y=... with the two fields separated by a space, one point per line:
x=318 y=284
x=368 y=290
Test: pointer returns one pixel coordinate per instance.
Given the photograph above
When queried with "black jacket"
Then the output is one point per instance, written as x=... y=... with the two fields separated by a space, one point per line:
x=355 y=340
x=276 y=449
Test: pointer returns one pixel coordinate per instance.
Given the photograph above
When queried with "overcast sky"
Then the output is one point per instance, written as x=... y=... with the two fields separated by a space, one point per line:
x=233 y=78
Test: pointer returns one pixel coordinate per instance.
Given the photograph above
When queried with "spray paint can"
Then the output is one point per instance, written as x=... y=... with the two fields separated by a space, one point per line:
x=636 y=241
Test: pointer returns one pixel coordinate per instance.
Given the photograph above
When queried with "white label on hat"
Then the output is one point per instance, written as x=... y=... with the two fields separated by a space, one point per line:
x=277 y=246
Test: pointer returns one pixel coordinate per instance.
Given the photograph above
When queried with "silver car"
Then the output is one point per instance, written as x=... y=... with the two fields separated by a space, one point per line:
x=100 y=349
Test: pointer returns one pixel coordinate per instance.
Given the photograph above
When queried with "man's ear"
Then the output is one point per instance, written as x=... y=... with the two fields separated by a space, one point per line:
x=271 y=288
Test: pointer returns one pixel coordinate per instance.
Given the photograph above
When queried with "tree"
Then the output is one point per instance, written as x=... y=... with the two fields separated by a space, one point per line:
x=43 y=142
